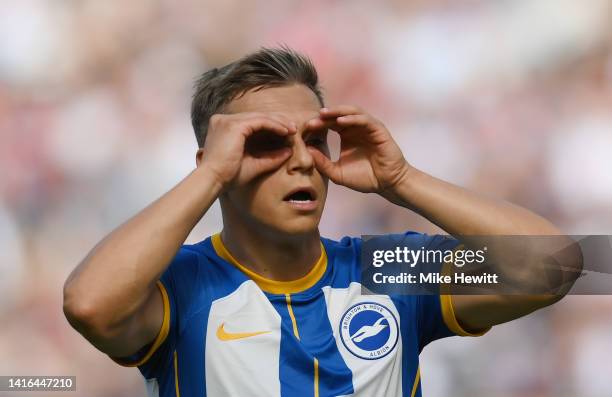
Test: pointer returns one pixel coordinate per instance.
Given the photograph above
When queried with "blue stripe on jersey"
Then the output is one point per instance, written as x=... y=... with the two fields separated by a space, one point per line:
x=296 y=369
x=405 y=305
x=215 y=279
x=425 y=309
x=317 y=336
x=297 y=356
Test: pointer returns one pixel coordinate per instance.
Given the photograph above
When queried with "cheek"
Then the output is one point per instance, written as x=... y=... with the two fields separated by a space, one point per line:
x=325 y=189
x=323 y=179
x=245 y=198
x=262 y=194
x=252 y=204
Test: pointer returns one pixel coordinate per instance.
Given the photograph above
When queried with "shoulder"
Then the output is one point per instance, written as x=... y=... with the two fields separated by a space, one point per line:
x=189 y=261
x=411 y=240
x=348 y=246
x=346 y=249
x=407 y=237
x=188 y=257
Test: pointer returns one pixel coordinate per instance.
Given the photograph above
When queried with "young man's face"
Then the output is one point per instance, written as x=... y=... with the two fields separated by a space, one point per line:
x=291 y=198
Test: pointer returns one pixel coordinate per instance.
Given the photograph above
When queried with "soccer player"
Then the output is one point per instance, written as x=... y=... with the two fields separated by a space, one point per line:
x=267 y=307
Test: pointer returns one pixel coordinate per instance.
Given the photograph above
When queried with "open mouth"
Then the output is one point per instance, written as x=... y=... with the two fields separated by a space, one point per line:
x=302 y=198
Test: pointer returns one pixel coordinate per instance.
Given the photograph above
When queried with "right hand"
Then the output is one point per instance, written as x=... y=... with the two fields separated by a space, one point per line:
x=241 y=146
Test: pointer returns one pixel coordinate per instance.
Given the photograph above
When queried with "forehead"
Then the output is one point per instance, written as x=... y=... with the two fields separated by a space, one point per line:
x=295 y=102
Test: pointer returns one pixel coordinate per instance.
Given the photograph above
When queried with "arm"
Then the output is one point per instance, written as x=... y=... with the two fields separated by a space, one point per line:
x=111 y=297
x=461 y=213
x=371 y=162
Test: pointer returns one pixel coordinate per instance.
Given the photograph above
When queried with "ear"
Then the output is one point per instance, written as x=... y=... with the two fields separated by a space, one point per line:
x=199 y=155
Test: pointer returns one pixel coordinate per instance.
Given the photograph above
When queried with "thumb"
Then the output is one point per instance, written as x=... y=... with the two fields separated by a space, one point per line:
x=273 y=159
x=327 y=167
x=252 y=167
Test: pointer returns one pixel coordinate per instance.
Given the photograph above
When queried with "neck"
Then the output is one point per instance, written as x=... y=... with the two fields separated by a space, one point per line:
x=272 y=254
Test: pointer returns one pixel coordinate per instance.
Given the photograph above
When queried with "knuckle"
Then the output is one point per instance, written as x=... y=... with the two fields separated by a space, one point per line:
x=256 y=118
x=257 y=115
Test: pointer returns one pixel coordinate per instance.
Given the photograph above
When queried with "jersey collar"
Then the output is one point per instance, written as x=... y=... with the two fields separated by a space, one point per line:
x=273 y=286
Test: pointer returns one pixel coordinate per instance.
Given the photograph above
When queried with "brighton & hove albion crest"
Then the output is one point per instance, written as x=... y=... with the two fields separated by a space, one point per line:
x=369 y=330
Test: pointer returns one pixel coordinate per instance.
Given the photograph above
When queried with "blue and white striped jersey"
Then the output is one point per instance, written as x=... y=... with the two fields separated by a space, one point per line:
x=230 y=332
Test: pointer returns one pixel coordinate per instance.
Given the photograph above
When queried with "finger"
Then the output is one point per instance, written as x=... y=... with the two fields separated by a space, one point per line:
x=341 y=110
x=254 y=166
x=268 y=123
x=282 y=117
x=339 y=124
x=356 y=120
x=317 y=123
x=290 y=124
x=327 y=167
x=272 y=160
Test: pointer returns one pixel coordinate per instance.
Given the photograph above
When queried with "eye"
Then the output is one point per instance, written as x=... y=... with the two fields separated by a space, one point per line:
x=316 y=141
x=265 y=141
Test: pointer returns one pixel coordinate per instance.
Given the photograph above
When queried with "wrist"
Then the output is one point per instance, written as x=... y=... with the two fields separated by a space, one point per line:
x=397 y=193
x=211 y=179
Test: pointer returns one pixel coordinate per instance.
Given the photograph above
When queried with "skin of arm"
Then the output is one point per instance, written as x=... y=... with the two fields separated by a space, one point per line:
x=371 y=162
x=461 y=213
x=111 y=298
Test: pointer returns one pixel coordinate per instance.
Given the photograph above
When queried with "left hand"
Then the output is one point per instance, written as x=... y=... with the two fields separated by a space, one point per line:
x=370 y=161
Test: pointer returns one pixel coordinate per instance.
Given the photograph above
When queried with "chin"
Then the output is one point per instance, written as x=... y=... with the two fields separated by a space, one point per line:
x=296 y=227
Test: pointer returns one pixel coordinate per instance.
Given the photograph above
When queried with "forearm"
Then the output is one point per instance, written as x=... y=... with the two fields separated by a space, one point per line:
x=523 y=262
x=459 y=211
x=520 y=261
x=118 y=275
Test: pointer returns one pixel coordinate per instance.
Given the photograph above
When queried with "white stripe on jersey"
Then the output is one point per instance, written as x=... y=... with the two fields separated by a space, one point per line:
x=371 y=378
x=229 y=364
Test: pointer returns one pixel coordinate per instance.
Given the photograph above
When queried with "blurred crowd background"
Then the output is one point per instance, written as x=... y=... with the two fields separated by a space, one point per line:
x=509 y=98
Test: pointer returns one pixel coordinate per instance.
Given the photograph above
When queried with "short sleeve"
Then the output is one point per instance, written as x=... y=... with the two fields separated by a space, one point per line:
x=435 y=313
x=177 y=286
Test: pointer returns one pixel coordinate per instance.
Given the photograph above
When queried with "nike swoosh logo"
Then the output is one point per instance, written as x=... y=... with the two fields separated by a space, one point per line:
x=223 y=335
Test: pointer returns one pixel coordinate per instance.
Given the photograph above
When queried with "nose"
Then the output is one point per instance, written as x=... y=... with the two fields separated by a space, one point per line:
x=301 y=160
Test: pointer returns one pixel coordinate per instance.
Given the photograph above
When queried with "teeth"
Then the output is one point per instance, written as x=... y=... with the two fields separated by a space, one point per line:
x=300 y=201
